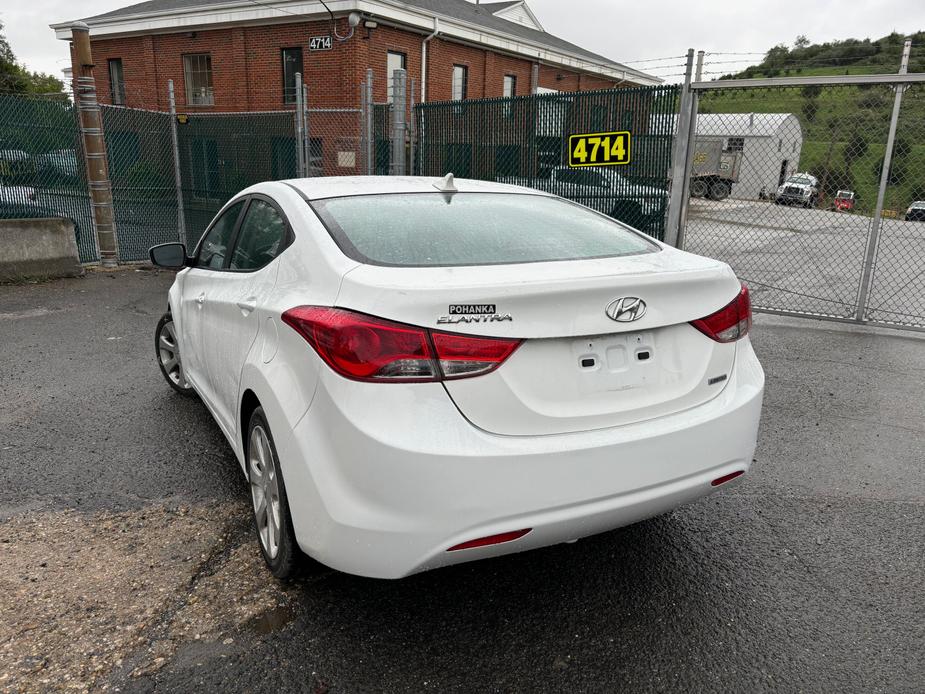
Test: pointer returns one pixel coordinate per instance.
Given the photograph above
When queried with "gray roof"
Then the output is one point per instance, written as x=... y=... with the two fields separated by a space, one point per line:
x=733 y=124
x=455 y=9
x=498 y=6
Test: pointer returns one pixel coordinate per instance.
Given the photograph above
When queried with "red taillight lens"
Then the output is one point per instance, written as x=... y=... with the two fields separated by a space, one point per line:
x=362 y=347
x=366 y=348
x=462 y=355
x=731 y=322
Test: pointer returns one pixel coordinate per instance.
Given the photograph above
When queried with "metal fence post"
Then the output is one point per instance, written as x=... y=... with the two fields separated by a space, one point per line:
x=300 y=148
x=412 y=129
x=370 y=117
x=873 y=239
x=175 y=146
x=94 y=148
x=399 y=105
x=691 y=141
x=306 y=139
x=679 y=163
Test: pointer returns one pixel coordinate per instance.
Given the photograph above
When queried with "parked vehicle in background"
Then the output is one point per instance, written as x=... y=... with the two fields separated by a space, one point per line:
x=799 y=189
x=12 y=161
x=20 y=202
x=916 y=212
x=415 y=372
x=714 y=170
x=59 y=162
x=605 y=190
x=844 y=201
x=24 y=195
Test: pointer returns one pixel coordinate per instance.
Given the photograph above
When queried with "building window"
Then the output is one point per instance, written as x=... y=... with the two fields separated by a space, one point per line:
x=292 y=63
x=197 y=72
x=116 y=82
x=394 y=61
x=460 y=82
x=735 y=144
x=510 y=85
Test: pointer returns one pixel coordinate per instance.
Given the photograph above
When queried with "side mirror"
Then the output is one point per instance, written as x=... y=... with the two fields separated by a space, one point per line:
x=169 y=255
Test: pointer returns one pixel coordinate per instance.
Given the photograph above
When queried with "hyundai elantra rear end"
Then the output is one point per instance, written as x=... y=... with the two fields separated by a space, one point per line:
x=447 y=371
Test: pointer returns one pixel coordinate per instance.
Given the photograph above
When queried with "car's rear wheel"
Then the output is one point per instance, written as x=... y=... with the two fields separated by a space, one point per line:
x=270 y=503
x=167 y=349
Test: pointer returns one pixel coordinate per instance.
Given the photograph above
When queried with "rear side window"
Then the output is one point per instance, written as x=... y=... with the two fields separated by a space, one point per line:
x=435 y=229
x=214 y=246
x=262 y=237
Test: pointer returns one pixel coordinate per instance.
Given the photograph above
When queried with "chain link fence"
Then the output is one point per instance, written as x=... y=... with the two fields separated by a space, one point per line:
x=897 y=293
x=524 y=140
x=41 y=164
x=784 y=186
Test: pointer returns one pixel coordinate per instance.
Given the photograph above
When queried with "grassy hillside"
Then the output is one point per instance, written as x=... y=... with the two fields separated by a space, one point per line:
x=844 y=128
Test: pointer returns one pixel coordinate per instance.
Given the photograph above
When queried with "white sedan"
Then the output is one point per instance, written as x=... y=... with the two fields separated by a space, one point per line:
x=416 y=372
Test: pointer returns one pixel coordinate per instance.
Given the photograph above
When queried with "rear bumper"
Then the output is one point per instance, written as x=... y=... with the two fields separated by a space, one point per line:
x=384 y=492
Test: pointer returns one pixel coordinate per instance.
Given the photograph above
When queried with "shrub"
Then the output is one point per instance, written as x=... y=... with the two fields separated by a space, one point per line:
x=810 y=109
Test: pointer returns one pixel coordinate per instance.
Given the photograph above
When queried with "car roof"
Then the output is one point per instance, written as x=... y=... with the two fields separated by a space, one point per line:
x=342 y=186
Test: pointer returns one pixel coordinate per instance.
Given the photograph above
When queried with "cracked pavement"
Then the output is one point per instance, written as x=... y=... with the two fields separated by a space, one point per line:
x=129 y=560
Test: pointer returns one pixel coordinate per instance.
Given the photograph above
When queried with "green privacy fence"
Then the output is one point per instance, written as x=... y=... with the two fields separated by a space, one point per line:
x=41 y=165
x=144 y=194
x=524 y=141
x=221 y=154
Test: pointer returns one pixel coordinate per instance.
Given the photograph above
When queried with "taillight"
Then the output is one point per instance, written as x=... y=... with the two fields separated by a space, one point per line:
x=731 y=322
x=461 y=355
x=365 y=348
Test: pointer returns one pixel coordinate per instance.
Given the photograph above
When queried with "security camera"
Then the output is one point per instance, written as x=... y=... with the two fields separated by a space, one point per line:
x=353 y=19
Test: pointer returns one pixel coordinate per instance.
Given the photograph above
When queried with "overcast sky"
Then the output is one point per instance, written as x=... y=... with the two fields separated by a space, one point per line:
x=623 y=31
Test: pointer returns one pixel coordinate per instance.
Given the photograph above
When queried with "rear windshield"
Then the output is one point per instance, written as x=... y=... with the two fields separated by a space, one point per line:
x=437 y=229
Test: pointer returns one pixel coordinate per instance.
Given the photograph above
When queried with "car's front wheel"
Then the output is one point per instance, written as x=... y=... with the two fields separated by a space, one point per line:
x=270 y=502
x=167 y=349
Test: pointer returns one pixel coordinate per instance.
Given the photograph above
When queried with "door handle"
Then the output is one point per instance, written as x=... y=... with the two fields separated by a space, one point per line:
x=248 y=304
x=201 y=299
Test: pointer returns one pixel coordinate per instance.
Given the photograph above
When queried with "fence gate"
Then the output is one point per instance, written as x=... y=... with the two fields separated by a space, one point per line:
x=785 y=176
x=524 y=140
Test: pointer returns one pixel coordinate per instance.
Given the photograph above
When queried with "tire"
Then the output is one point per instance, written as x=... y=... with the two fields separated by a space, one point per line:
x=719 y=190
x=167 y=352
x=698 y=188
x=269 y=501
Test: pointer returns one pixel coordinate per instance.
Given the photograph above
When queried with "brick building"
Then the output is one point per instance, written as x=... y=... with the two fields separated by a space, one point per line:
x=242 y=55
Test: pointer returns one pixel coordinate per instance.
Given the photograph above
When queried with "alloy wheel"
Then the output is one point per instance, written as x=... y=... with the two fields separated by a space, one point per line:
x=264 y=483
x=168 y=351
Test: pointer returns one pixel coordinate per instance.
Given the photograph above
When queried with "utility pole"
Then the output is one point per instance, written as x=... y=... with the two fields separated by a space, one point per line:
x=94 y=147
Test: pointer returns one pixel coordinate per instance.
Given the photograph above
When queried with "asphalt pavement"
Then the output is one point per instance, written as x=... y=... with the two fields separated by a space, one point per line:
x=123 y=509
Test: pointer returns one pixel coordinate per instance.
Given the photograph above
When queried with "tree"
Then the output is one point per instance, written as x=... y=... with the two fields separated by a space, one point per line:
x=801 y=42
x=855 y=148
x=17 y=79
x=811 y=91
x=810 y=109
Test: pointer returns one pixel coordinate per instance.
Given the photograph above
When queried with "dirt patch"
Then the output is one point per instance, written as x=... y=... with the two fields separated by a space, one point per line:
x=87 y=600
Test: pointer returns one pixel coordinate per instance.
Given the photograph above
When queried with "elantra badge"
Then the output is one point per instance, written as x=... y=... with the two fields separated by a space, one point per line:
x=626 y=309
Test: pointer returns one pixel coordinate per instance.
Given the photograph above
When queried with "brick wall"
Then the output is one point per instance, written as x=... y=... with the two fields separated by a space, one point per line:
x=247 y=66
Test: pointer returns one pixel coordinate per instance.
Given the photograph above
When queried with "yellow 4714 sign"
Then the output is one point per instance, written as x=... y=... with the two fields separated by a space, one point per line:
x=599 y=149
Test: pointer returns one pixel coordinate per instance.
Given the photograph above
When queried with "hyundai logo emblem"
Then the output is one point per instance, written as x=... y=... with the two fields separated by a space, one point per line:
x=626 y=309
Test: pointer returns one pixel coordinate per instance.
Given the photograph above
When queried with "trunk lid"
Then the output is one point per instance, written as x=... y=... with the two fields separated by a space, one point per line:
x=577 y=369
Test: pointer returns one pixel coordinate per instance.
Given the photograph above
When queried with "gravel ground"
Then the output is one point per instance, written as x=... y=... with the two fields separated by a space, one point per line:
x=129 y=562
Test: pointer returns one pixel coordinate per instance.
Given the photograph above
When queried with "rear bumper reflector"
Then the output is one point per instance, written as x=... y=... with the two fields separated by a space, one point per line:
x=491 y=540
x=725 y=478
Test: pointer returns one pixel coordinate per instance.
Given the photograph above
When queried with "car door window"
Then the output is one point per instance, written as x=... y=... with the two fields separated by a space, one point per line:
x=214 y=246
x=262 y=237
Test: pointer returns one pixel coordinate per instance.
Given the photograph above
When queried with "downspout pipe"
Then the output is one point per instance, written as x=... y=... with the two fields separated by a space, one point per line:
x=424 y=58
